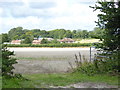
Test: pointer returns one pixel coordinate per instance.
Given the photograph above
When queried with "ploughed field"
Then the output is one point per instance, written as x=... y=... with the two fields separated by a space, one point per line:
x=47 y=60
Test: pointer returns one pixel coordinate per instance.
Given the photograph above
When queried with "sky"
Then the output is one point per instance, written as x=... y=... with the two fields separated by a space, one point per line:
x=47 y=14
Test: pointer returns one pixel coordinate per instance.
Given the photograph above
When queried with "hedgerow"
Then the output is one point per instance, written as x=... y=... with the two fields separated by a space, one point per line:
x=52 y=45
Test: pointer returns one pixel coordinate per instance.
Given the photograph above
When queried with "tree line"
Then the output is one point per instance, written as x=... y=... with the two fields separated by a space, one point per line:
x=20 y=33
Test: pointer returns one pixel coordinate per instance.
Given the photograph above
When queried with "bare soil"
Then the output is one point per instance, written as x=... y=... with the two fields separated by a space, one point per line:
x=52 y=61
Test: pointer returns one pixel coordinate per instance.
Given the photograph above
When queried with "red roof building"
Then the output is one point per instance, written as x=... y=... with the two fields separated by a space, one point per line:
x=67 y=40
x=16 y=42
x=36 y=41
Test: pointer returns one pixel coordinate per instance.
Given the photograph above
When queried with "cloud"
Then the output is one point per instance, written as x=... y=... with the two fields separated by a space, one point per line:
x=25 y=9
x=26 y=12
x=8 y=4
x=42 y=5
x=48 y=15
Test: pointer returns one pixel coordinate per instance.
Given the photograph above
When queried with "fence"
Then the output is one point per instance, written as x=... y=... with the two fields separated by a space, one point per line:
x=93 y=52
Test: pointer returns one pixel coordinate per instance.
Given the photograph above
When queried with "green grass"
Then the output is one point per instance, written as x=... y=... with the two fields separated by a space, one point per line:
x=41 y=58
x=44 y=80
x=16 y=83
x=0 y=82
x=52 y=45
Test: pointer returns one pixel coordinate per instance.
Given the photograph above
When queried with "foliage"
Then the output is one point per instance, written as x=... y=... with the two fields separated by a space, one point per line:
x=52 y=45
x=106 y=61
x=5 y=38
x=107 y=64
x=54 y=41
x=97 y=33
x=20 y=33
x=7 y=62
x=15 y=33
x=27 y=40
x=44 y=41
x=57 y=33
x=109 y=20
x=14 y=82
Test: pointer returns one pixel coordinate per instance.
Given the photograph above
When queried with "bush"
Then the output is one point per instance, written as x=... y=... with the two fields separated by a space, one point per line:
x=44 y=41
x=107 y=64
x=7 y=62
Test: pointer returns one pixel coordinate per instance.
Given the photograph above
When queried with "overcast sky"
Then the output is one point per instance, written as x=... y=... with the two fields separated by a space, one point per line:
x=47 y=14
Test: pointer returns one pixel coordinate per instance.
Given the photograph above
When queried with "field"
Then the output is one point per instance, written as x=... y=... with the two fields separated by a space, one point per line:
x=47 y=60
x=50 y=68
x=88 y=41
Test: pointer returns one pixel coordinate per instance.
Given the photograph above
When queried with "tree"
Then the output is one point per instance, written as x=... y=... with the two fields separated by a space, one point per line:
x=27 y=40
x=15 y=33
x=74 y=32
x=97 y=33
x=110 y=21
x=5 y=38
x=68 y=34
x=57 y=33
x=54 y=41
x=16 y=37
x=84 y=34
x=43 y=33
x=7 y=62
x=44 y=41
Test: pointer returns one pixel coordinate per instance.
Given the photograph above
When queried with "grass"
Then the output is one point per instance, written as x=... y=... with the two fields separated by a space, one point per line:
x=41 y=58
x=0 y=82
x=45 y=80
x=89 y=40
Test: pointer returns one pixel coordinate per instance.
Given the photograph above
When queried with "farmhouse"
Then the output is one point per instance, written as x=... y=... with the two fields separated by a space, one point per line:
x=49 y=39
x=6 y=43
x=36 y=41
x=66 y=40
x=16 y=42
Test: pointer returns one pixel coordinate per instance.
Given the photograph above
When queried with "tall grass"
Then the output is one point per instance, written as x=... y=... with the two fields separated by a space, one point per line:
x=102 y=64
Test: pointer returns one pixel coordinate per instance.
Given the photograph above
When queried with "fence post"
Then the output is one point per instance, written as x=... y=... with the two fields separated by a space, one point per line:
x=90 y=54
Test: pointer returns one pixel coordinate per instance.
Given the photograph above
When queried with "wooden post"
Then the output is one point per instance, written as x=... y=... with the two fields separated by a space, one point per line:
x=90 y=54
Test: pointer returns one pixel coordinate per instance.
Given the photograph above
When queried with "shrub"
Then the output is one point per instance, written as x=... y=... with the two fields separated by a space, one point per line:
x=108 y=63
x=44 y=41
x=7 y=62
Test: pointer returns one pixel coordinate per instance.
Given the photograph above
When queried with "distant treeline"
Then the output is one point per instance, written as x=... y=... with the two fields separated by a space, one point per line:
x=20 y=33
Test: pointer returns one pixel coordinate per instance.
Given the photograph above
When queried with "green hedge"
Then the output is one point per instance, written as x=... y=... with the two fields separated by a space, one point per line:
x=52 y=45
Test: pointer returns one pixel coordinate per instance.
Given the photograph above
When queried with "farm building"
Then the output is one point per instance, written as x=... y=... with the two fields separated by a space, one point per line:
x=6 y=43
x=66 y=40
x=49 y=39
x=16 y=42
x=36 y=41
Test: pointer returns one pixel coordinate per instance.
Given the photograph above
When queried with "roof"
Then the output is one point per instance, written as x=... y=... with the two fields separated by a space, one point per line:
x=67 y=40
x=15 y=41
x=36 y=41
